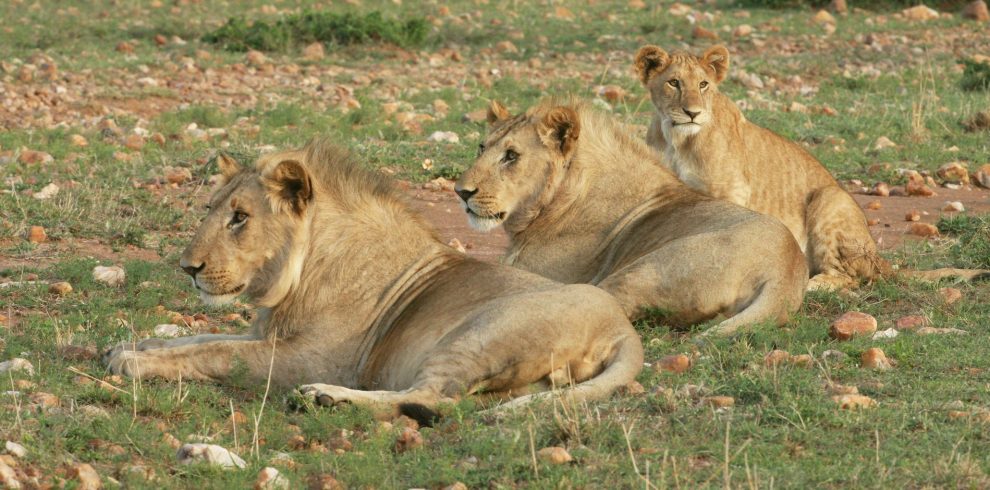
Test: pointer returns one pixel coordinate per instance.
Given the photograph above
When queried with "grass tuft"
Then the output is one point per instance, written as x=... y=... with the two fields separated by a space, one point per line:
x=973 y=234
x=976 y=76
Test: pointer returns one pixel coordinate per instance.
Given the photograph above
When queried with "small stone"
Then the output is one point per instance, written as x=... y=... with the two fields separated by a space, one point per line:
x=409 y=439
x=269 y=478
x=872 y=222
x=954 y=206
x=880 y=189
x=637 y=4
x=954 y=172
x=941 y=331
x=742 y=30
x=920 y=13
x=910 y=322
x=112 y=276
x=718 y=401
x=950 y=295
x=913 y=215
x=885 y=334
x=168 y=330
x=256 y=58
x=160 y=40
x=158 y=139
x=440 y=106
x=612 y=93
x=882 y=142
x=125 y=47
x=839 y=6
x=874 y=358
x=93 y=412
x=443 y=137
x=506 y=47
x=873 y=205
x=47 y=192
x=554 y=455
x=87 y=476
x=701 y=33
x=45 y=400
x=209 y=453
x=31 y=157
x=852 y=324
x=852 y=402
x=802 y=360
x=776 y=357
x=8 y=477
x=456 y=486
x=60 y=288
x=134 y=142
x=324 y=482
x=457 y=245
x=923 y=230
x=478 y=116
x=14 y=448
x=36 y=234
x=314 y=51
x=823 y=17
x=976 y=11
x=177 y=175
x=74 y=352
x=677 y=363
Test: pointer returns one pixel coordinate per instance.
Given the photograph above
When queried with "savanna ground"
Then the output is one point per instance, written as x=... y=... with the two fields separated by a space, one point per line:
x=132 y=103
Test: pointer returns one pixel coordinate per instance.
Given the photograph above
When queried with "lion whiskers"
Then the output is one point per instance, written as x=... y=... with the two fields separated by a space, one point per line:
x=483 y=224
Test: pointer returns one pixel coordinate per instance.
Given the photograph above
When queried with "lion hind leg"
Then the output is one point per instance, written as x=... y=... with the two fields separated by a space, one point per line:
x=840 y=249
x=383 y=404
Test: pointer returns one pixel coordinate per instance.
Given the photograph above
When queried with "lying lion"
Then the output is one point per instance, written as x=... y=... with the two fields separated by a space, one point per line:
x=712 y=148
x=584 y=202
x=354 y=290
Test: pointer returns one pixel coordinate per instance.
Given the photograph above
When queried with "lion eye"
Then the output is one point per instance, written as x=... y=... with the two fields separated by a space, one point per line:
x=239 y=218
x=510 y=156
x=674 y=83
x=704 y=84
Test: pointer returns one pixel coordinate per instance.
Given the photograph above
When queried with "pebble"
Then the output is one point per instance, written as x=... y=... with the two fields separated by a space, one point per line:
x=923 y=230
x=823 y=17
x=913 y=215
x=701 y=33
x=168 y=330
x=885 y=334
x=78 y=140
x=976 y=11
x=270 y=478
x=677 y=363
x=443 y=137
x=112 y=276
x=834 y=355
x=209 y=453
x=555 y=455
x=719 y=401
x=177 y=175
x=880 y=189
x=314 y=51
x=882 y=142
x=47 y=192
x=408 y=439
x=742 y=30
x=60 y=288
x=874 y=358
x=14 y=448
x=88 y=478
x=954 y=206
x=852 y=402
x=17 y=364
x=36 y=234
x=776 y=357
x=852 y=324
x=8 y=477
x=950 y=295
x=920 y=13
x=954 y=172
x=29 y=157
x=910 y=322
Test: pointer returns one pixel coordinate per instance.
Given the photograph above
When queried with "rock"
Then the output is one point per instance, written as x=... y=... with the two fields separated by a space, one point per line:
x=880 y=189
x=457 y=245
x=178 y=175
x=60 y=288
x=133 y=142
x=314 y=52
x=920 y=13
x=17 y=364
x=852 y=324
x=976 y=11
x=954 y=172
x=443 y=137
x=883 y=142
x=742 y=30
x=209 y=453
x=74 y=352
x=885 y=334
x=982 y=176
x=506 y=47
x=87 y=476
x=823 y=17
x=910 y=322
x=718 y=401
x=633 y=388
x=750 y=80
x=776 y=357
x=918 y=188
x=269 y=478
x=440 y=106
x=324 y=482
x=554 y=455
x=923 y=230
x=834 y=355
x=802 y=360
x=31 y=157
x=256 y=58
x=409 y=439
x=941 y=331
x=478 y=116
x=677 y=363
x=873 y=205
x=913 y=215
x=852 y=402
x=112 y=276
x=14 y=448
x=47 y=192
x=839 y=7
x=611 y=93
x=872 y=222
x=458 y=485
x=93 y=412
x=36 y=234
x=950 y=295
x=168 y=330
x=874 y=358
x=954 y=207
x=8 y=477
x=701 y=33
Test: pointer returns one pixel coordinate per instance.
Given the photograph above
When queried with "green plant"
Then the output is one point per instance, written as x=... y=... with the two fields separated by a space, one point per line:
x=973 y=235
x=976 y=75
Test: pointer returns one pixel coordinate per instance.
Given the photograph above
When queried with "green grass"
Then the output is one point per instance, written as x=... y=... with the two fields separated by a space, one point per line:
x=114 y=207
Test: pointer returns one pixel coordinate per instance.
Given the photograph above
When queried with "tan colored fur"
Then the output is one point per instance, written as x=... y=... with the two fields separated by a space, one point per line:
x=357 y=294
x=720 y=153
x=585 y=202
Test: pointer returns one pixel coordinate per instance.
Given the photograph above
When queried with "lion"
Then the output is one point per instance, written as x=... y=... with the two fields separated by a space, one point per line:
x=356 y=294
x=583 y=202
x=712 y=148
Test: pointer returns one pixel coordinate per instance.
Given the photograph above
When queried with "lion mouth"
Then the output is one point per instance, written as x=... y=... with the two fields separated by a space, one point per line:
x=496 y=216
x=231 y=291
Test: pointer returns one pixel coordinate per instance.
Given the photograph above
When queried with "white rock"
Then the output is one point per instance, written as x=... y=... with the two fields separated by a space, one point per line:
x=47 y=192
x=885 y=334
x=15 y=449
x=112 y=276
x=168 y=330
x=210 y=453
x=147 y=82
x=8 y=478
x=954 y=206
x=270 y=478
x=17 y=364
x=444 y=137
x=883 y=142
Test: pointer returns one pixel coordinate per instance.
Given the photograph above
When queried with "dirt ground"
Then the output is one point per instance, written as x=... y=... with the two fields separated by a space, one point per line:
x=443 y=210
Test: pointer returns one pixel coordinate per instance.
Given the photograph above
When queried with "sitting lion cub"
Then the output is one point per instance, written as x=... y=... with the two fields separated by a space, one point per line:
x=711 y=147
x=354 y=290
x=582 y=201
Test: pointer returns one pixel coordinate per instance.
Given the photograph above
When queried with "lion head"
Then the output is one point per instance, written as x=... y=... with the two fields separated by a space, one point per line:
x=682 y=86
x=519 y=164
x=246 y=242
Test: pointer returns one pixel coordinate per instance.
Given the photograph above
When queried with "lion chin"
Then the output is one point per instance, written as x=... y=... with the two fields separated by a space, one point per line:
x=483 y=224
x=216 y=300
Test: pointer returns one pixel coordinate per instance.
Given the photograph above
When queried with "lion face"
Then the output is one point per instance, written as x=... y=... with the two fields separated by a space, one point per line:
x=518 y=165
x=682 y=86
x=245 y=243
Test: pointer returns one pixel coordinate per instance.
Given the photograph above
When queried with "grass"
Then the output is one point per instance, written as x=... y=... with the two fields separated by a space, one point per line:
x=115 y=207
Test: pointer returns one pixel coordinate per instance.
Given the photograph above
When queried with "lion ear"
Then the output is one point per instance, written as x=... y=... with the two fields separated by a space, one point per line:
x=717 y=57
x=559 y=129
x=649 y=60
x=228 y=166
x=289 y=187
x=497 y=112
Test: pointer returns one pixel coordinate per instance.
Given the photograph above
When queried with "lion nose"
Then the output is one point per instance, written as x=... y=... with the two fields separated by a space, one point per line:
x=190 y=268
x=466 y=194
x=692 y=114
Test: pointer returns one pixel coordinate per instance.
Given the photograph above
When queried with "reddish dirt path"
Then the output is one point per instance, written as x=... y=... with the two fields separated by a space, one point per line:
x=441 y=208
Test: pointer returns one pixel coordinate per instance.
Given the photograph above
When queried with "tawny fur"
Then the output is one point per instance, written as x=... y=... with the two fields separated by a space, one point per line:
x=585 y=202
x=357 y=294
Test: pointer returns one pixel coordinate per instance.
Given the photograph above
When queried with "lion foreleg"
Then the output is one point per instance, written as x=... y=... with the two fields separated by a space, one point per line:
x=200 y=359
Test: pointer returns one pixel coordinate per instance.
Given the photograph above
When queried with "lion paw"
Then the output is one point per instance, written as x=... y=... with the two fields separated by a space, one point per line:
x=124 y=363
x=146 y=344
x=325 y=395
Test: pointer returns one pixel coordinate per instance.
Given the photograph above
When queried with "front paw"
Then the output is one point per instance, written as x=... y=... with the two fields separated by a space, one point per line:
x=146 y=344
x=324 y=395
x=125 y=362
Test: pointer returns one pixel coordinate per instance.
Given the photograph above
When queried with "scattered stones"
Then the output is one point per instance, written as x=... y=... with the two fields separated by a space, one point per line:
x=718 y=401
x=555 y=455
x=916 y=186
x=954 y=207
x=209 y=453
x=920 y=13
x=36 y=234
x=443 y=137
x=882 y=142
x=14 y=448
x=885 y=334
x=60 y=288
x=408 y=439
x=47 y=192
x=677 y=363
x=950 y=295
x=270 y=478
x=976 y=11
x=910 y=322
x=923 y=230
x=913 y=215
x=17 y=364
x=324 y=482
x=776 y=357
x=88 y=478
x=803 y=360
x=852 y=324
x=133 y=142
x=874 y=358
x=314 y=52
x=853 y=402
x=112 y=276
x=941 y=331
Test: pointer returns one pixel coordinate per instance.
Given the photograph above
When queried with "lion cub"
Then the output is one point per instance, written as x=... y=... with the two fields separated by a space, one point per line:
x=711 y=147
